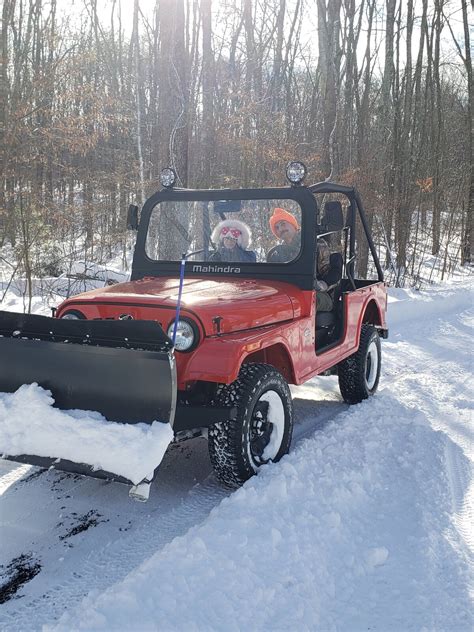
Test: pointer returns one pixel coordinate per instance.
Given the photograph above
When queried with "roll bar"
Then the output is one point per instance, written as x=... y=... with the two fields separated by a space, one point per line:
x=355 y=202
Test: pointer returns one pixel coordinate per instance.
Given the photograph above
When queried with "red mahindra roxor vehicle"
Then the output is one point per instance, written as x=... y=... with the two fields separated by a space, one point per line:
x=209 y=340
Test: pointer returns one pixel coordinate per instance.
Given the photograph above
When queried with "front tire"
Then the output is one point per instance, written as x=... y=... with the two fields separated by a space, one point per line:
x=260 y=433
x=359 y=374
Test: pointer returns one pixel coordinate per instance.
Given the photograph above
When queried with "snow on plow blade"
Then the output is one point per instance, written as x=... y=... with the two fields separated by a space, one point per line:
x=123 y=369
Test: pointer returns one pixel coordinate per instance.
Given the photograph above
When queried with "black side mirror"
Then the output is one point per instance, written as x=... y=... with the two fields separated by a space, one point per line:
x=132 y=217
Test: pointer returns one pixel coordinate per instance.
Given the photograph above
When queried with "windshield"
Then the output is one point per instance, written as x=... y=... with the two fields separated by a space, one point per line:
x=243 y=231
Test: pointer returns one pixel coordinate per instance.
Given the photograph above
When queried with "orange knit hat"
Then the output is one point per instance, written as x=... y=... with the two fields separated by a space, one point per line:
x=279 y=215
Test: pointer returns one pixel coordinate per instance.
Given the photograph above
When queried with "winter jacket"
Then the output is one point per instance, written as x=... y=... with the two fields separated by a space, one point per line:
x=283 y=253
x=234 y=255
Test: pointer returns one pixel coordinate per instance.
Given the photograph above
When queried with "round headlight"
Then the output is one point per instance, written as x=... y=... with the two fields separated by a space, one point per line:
x=296 y=172
x=186 y=335
x=73 y=315
x=167 y=177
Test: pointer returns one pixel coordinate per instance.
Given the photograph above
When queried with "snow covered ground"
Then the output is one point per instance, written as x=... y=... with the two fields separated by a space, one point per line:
x=367 y=524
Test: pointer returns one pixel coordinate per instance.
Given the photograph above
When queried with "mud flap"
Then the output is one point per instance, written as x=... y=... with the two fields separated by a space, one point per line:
x=123 y=369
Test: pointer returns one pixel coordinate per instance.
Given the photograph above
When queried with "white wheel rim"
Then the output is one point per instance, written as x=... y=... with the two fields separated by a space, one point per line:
x=372 y=365
x=276 y=417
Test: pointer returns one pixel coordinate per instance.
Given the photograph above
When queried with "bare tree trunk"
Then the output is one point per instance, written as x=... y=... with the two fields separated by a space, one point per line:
x=329 y=59
x=278 y=59
x=25 y=227
x=8 y=7
x=207 y=93
x=467 y=249
x=363 y=106
x=389 y=121
x=437 y=127
x=389 y=70
x=173 y=95
x=136 y=49
x=347 y=132
x=404 y=156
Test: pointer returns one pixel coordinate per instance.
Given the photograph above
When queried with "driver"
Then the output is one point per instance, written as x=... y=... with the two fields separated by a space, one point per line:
x=285 y=227
x=232 y=238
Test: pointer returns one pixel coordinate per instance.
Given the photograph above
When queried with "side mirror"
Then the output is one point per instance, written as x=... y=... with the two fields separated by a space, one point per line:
x=132 y=217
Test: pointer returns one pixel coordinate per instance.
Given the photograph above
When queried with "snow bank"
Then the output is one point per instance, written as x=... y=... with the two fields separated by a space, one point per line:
x=96 y=271
x=30 y=425
x=408 y=304
x=343 y=534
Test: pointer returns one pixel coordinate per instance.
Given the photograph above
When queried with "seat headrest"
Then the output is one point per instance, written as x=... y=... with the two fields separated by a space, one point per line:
x=333 y=217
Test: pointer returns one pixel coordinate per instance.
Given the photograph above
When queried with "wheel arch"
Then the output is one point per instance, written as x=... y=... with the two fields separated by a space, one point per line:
x=372 y=314
x=277 y=356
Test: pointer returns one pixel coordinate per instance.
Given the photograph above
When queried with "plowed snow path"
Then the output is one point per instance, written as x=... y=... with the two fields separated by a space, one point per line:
x=38 y=515
x=38 y=509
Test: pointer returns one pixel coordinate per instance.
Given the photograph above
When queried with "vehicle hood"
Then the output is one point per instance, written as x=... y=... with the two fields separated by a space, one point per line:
x=220 y=306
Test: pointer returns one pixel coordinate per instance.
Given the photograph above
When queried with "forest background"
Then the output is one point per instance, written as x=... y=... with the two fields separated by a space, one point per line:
x=97 y=97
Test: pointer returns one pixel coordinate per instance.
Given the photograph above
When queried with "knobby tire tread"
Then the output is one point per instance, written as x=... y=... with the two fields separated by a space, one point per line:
x=225 y=436
x=351 y=371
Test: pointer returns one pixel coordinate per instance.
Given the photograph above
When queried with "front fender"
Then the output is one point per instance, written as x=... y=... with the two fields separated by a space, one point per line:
x=219 y=358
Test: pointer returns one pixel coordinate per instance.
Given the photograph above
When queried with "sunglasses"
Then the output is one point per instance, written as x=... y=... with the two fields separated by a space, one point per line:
x=234 y=232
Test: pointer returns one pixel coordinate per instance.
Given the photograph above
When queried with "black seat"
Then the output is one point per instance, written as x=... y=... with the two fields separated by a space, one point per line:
x=327 y=321
x=336 y=262
x=333 y=219
x=324 y=320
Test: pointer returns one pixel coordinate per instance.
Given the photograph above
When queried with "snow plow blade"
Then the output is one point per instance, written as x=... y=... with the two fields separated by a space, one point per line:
x=123 y=369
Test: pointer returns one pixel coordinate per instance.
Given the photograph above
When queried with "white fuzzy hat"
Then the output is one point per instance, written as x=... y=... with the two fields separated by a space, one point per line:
x=243 y=239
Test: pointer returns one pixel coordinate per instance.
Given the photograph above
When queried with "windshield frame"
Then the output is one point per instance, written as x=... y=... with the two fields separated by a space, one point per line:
x=299 y=272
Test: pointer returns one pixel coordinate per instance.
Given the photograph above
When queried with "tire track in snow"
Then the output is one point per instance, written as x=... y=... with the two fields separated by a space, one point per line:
x=460 y=479
x=316 y=422
x=441 y=369
x=110 y=564
x=62 y=486
x=12 y=477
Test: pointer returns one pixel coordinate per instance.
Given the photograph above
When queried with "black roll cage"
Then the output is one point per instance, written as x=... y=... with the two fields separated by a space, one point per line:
x=300 y=272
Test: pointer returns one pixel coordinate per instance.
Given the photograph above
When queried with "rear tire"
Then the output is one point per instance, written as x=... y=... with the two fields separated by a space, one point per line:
x=359 y=373
x=260 y=433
